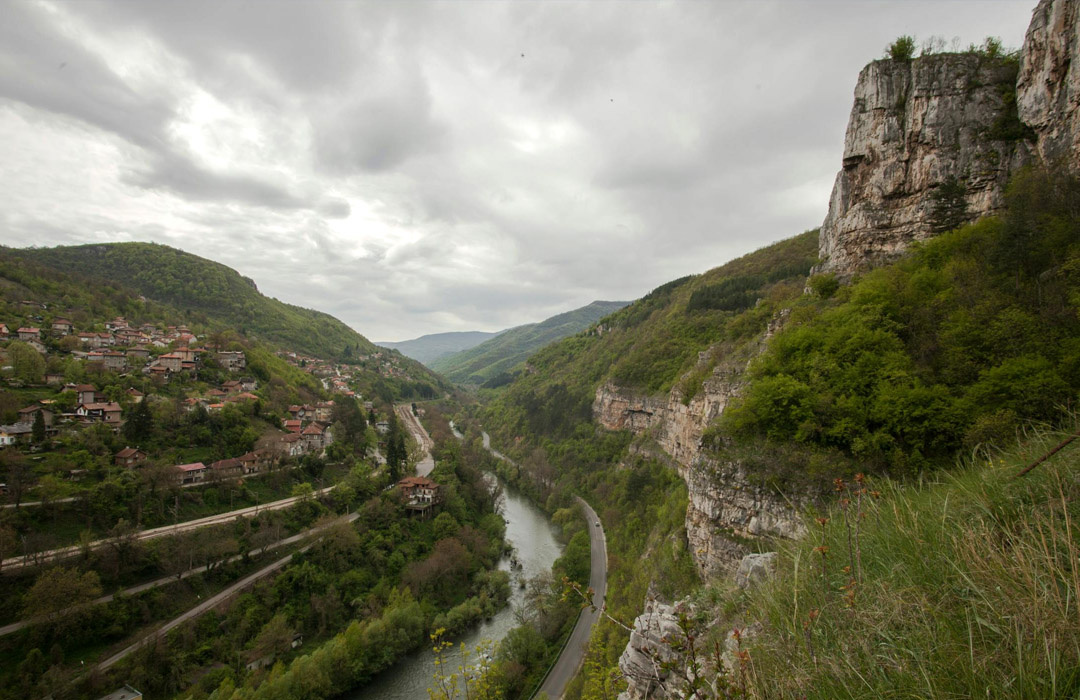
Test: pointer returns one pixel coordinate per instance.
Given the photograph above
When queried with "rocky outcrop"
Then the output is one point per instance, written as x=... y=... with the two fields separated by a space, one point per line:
x=755 y=568
x=975 y=117
x=1048 y=85
x=649 y=651
x=914 y=126
x=725 y=507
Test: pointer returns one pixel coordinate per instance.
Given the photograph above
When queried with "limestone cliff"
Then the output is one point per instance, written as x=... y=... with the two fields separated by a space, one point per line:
x=914 y=126
x=1048 y=86
x=725 y=506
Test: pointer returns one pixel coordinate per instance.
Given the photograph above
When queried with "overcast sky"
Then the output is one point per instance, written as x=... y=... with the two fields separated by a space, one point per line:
x=416 y=168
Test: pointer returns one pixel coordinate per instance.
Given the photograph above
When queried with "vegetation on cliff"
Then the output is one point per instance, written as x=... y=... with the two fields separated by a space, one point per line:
x=971 y=335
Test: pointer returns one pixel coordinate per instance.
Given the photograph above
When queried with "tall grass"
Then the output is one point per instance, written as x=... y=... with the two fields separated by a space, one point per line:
x=970 y=588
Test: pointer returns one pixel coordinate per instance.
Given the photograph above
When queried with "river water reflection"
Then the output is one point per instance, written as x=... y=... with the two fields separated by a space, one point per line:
x=533 y=537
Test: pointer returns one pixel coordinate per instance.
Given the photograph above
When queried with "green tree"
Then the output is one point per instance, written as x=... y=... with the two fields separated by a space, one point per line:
x=58 y=592
x=140 y=422
x=38 y=431
x=903 y=49
x=948 y=206
x=26 y=362
x=396 y=452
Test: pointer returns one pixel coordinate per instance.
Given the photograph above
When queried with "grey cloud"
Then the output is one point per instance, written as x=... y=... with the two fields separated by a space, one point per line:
x=334 y=208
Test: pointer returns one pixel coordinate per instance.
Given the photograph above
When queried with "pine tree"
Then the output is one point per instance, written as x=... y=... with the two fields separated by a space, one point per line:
x=38 y=431
x=140 y=423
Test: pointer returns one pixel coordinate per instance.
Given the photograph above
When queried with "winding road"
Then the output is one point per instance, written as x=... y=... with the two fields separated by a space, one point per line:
x=573 y=653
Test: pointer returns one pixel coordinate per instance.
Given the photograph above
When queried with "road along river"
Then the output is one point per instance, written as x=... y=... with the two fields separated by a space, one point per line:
x=536 y=549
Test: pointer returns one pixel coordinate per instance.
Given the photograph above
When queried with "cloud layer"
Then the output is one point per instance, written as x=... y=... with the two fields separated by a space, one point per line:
x=424 y=167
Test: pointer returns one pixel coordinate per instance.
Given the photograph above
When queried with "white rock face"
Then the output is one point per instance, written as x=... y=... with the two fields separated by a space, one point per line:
x=914 y=125
x=755 y=568
x=1048 y=86
x=648 y=649
x=724 y=504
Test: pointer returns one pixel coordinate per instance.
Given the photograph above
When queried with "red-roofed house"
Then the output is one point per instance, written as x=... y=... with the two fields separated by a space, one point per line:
x=191 y=473
x=226 y=468
x=129 y=457
x=29 y=333
x=62 y=326
x=108 y=412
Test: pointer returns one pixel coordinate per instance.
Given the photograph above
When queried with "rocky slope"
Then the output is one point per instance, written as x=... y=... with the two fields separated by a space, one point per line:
x=725 y=506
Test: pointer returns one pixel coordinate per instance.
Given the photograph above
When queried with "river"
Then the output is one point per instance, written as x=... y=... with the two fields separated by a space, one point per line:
x=533 y=538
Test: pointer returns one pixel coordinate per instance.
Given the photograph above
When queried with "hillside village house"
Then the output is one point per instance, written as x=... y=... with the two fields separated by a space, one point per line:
x=4 y=332
x=86 y=393
x=29 y=333
x=232 y=361
x=129 y=457
x=255 y=461
x=108 y=412
x=193 y=473
x=420 y=494
x=291 y=445
x=62 y=326
x=115 y=360
x=29 y=414
x=171 y=361
x=225 y=468
x=14 y=434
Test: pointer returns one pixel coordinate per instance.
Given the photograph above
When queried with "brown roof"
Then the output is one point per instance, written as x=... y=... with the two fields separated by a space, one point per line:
x=418 y=481
x=231 y=463
x=129 y=452
x=194 y=466
x=108 y=406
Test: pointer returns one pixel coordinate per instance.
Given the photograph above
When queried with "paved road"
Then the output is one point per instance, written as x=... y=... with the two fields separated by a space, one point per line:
x=573 y=654
x=199 y=609
x=16 y=626
x=413 y=425
x=53 y=555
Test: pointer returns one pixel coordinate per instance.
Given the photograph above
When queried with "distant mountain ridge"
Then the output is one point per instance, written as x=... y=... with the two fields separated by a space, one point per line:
x=195 y=284
x=434 y=346
x=499 y=355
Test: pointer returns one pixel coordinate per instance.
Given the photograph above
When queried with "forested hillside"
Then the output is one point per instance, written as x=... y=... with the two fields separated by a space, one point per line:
x=492 y=361
x=197 y=285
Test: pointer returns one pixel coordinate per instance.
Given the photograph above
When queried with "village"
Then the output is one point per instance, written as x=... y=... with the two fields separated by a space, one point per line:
x=160 y=364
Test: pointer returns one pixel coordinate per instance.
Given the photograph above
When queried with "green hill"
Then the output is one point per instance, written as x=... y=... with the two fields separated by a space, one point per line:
x=492 y=360
x=216 y=292
x=429 y=348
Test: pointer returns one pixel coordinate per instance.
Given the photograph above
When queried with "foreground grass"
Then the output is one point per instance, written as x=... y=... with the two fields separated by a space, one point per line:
x=970 y=587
